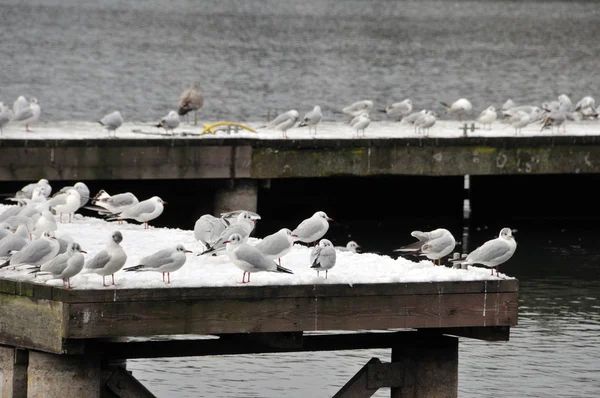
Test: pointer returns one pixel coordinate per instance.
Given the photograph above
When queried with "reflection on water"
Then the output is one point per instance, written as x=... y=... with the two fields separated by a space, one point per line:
x=554 y=351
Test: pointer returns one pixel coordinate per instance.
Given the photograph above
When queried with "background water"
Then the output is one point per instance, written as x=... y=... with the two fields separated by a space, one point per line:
x=84 y=58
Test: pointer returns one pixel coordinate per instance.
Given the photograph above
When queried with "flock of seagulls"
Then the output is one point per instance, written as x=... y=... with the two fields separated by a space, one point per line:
x=31 y=240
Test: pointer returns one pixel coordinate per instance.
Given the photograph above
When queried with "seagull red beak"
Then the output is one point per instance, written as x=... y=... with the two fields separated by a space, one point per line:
x=164 y=203
x=294 y=235
x=188 y=251
x=82 y=251
x=226 y=242
x=329 y=219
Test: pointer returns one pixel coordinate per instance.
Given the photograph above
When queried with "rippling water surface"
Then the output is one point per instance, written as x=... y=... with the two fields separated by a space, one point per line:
x=85 y=58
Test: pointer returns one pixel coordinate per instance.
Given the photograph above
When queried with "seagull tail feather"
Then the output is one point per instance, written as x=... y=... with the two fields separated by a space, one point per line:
x=283 y=269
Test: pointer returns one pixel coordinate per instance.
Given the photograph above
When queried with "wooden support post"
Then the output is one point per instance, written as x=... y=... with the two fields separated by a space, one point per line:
x=13 y=365
x=430 y=367
x=238 y=195
x=356 y=387
x=62 y=376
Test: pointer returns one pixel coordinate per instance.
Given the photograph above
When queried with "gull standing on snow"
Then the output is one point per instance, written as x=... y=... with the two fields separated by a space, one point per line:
x=67 y=202
x=365 y=106
x=351 y=246
x=399 y=110
x=424 y=122
x=284 y=121
x=106 y=204
x=169 y=122
x=36 y=252
x=14 y=241
x=312 y=229
x=145 y=211
x=81 y=188
x=65 y=265
x=487 y=116
x=493 y=252
x=45 y=222
x=27 y=191
x=277 y=245
x=112 y=122
x=28 y=114
x=312 y=119
x=586 y=106
x=433 y=244
x=243 y=226
x=360 y=122
x=191 y=99
x=165 y=261
x=208 y=228
x=459 y=107
x=109 y=260
x=322 y=257
x=249 y=259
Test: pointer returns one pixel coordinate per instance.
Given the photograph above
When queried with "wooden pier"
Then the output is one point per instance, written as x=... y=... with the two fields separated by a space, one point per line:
x=74 y=343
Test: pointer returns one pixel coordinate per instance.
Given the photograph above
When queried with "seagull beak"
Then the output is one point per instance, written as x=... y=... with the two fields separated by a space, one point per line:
x=294 y=235
x=225 y=242
x=82 y=251
x=164 y=203
x=188 y=251
x=329 y=219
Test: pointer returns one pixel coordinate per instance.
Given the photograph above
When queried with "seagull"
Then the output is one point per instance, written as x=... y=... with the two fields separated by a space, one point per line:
x=587 y=107
x=20 y=104
x=81 y=188
x=44 y=222
x=365 y=106
x=67 y=202
x=169 y=122
x=493 y=252
x=351 y=246
x=5 y=230
x=460 y=107
x=519 y=120
x=165 y=261
x=192 y=99
x=312 y=119
x=27 y=191
x=106 y=204
x=250 y=259
x=14 y=241
x=109 y=260
x=554 y=119
x=424 y=122
x=112 y=121
x=433 y=244
x=144 y=211
x=277 y=245
x=509 y=104
x=28 y=114
x=360 y=122
x=487 y=116
x=208 y=228
x=36 y=252
x=312 y=229
x=322 y=257
x=284 y=121
x=413 y=116
x=64 y=266
x=399 y=109
x=243 y=226
x=6 y=114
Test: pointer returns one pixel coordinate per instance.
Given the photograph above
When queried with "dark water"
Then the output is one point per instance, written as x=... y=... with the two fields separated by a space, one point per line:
x=84 y=58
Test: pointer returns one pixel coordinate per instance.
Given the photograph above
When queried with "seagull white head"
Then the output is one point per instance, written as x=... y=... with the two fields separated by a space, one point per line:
x=323 y=215
x=506 y=233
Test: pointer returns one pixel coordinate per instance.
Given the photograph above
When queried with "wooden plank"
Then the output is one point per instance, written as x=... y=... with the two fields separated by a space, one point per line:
x=102 y=320
x=31 y=323
x=357 y=387
x=122 y=384
x=31 y=289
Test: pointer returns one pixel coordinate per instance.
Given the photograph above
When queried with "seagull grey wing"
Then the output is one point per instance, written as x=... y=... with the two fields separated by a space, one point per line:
x=24 y=114
x=158 y=259
x=62 y=190
x=99 y=261
x=56 y=265
x=307 y=227
x=11 y=243
x=489 y=251
x=326 y=258
x=57 y=200
x=32 y=253
x=112 y=120
x=273 y=246
x=121 y=200
x=280 y=119
x=314 y=254
x=413 y=247
x=255 y=258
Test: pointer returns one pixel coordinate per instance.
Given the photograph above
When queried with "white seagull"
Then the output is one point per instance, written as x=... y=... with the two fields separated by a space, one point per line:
x=108 y=261
x=28 y=114
x=35 y=252
x=312 y=119
x=424 y=122
x=364 y=106
x=360 y=122
x=398 y=110
x=284 y=121
x=208 y=228
x=487 y=116
x=312 y=229
x=166 y=261
x=459 y=107
x=351 y=246
x=145 y=211
x=493 y=252
x=64 y=266
x=433 y=244
x=243 y=226
x=81 y=188
x=169 y=122
x=67 y=202
x=106 y=204
x=14 y=241
x=112 y=122
x=249 y=259
x=322 y=257
x=277 y=245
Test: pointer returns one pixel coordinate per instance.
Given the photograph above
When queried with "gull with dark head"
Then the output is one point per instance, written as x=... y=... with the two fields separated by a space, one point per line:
x=64 y=266
x=109 y=260
x=312 y=119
